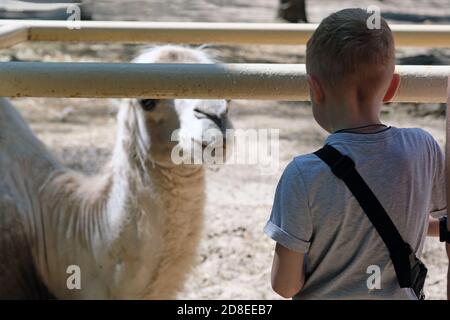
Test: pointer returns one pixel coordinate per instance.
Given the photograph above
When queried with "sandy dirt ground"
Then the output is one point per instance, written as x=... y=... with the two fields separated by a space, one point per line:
x=235 y=256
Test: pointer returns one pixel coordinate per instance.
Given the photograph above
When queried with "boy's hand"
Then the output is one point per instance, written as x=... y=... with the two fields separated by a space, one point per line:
x=433 y=227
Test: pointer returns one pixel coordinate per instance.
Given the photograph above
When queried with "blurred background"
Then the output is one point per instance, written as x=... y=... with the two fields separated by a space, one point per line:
x=235 y=256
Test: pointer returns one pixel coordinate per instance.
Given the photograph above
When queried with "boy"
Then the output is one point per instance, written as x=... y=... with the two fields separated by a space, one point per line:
x=326 y=246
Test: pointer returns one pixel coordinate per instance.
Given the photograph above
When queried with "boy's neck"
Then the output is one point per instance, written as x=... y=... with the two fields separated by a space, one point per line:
x=349 y=116
x=363 y=126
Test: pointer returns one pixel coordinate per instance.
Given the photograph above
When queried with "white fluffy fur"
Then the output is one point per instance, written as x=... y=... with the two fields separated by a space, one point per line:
x=132 y=229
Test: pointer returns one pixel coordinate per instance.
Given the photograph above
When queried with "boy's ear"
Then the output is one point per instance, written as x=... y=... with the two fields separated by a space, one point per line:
x=393 y=87
x=316 y=90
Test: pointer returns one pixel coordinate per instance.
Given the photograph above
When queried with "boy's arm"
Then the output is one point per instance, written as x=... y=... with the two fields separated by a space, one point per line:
x=290 y=226
x=288 y=276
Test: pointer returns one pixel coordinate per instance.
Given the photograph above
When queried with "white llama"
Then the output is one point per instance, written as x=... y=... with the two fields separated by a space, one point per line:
x=132 y=229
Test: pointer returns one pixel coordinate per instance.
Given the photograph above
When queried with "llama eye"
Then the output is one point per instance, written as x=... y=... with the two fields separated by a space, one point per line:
x=148 y=104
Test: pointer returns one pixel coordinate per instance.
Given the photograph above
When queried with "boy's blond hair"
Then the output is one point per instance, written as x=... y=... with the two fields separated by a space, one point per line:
x=344 y=49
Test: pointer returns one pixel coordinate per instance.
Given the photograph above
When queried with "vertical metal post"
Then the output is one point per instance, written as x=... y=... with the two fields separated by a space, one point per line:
x=447 y=159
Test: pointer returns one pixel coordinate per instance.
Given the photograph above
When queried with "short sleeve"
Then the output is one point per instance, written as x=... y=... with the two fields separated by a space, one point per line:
x=438 y=205
x=290 y=222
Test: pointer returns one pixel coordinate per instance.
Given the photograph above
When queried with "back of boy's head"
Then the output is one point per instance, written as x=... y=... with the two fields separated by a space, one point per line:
x=343 y=50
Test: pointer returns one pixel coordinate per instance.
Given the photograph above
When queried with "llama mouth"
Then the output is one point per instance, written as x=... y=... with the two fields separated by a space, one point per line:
x=218 y=121
x=206 y=144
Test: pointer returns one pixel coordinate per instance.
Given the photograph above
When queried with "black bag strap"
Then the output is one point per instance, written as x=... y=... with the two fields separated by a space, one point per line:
x=400 y=252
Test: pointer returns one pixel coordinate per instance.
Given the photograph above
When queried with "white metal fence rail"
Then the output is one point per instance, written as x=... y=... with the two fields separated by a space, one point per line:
x=205 y=81
x=437 y=36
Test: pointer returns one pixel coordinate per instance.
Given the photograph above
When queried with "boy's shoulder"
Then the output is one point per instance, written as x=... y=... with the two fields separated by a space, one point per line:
x=305 y=165
x=422 y=138
x=309 y=159
x=418 y=132
x=309 y=164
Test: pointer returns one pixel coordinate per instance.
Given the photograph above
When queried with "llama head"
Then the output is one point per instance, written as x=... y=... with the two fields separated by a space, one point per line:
x=182 y=127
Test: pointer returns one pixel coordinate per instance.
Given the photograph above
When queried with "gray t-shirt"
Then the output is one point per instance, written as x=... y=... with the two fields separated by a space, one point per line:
x=315 y=213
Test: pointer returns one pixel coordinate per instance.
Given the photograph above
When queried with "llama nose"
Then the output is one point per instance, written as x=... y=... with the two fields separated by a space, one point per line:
x=218 y=119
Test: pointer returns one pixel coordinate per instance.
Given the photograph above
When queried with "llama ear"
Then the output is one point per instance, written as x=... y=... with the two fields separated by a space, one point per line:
x=148 y=104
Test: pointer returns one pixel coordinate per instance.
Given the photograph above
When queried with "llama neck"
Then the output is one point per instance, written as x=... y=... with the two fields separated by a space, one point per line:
x=155 y=209
x=180 y=195
x=128 y=168
x=177 y=184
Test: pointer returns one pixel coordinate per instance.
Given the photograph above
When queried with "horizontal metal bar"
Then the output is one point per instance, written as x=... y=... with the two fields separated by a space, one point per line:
x=423 y=84
x=202 y=81
x=437 y=36
x=168 y=32
x=102 y=80
x=12 y=34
